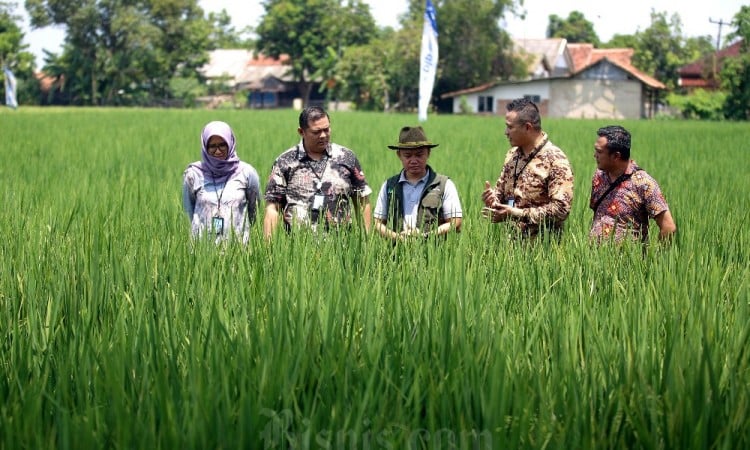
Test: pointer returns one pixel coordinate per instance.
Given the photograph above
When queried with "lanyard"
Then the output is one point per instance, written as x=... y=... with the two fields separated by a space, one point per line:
x=611 y=188
x=517 y=173
x=319 y=177
x=220 y=194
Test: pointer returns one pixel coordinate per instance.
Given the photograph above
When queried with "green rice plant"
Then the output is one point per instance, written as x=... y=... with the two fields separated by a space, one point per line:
x=117 y=330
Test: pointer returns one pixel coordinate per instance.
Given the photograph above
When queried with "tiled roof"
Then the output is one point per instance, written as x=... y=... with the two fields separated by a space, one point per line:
x=245 y=67
x=470 y=90
x=585 y=56
x=698 y=68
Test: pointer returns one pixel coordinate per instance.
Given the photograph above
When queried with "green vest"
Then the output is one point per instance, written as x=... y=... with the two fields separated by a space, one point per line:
x=430 y=204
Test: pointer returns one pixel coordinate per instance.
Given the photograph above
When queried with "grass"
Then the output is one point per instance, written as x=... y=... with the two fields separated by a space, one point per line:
x=117 y=332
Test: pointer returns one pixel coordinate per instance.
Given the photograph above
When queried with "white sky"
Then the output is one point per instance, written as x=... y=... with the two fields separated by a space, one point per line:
x=608 y=17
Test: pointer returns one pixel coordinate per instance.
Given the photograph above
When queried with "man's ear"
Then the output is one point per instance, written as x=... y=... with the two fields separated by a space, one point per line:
x=300 y=131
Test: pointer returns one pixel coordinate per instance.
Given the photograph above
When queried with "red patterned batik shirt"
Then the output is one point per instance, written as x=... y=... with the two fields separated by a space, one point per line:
x=625 y=211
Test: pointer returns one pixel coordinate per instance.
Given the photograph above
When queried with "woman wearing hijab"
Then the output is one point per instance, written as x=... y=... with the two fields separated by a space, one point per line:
x=220 y=193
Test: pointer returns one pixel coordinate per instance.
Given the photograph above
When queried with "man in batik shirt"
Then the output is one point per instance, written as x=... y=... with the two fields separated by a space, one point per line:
x=624 y=196
x=535 y=188
x=316 y=182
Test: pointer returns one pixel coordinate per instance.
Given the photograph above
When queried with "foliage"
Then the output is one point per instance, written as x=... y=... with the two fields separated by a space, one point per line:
x=309 y=31
x=464 y=107
x=576 y=29
x=363 y=74
x=735 y=73
x=115 y=46
x=380 y=75
x=118 y=331
x=473 y=48
x=660 y=51
x=700 y=104
x=223 y=35
x=187 y=90
x=621 y=41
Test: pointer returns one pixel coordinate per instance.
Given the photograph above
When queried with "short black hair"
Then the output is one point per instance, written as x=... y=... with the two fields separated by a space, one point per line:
x=311 y=114
x=618 y=139
x=527 y=111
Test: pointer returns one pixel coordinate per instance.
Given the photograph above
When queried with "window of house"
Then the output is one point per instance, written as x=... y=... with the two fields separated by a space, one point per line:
x=534 y=98
x=485 y=103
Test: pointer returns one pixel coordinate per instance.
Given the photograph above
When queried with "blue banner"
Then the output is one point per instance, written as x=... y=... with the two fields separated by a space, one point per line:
x=428 y=60
x=10 y=88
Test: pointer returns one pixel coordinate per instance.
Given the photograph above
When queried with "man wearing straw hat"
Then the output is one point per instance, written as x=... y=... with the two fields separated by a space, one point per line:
x=418 y=201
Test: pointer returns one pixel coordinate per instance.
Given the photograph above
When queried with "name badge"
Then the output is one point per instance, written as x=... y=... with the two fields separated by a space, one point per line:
x=218 y=225
x=318 y=201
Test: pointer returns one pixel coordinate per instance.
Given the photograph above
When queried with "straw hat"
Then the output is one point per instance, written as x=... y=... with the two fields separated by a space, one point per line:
x=410 y=138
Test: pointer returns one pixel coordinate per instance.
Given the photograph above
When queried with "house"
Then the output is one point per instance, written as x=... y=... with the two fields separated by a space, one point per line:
x=267 y=81
x=569 y=80
x=703 y=73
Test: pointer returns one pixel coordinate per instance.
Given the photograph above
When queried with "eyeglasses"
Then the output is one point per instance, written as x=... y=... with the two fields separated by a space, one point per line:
x=212 y=148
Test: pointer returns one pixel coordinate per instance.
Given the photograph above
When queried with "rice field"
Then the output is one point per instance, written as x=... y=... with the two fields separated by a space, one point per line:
x=117 y=332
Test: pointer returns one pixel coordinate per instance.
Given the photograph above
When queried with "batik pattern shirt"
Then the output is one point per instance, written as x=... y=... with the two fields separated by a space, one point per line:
x=232 y=198
x=296 y=178
x=541 y=185
x=625 y=211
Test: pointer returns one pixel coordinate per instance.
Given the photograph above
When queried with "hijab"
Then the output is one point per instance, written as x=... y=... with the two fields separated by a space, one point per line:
x=216 y=167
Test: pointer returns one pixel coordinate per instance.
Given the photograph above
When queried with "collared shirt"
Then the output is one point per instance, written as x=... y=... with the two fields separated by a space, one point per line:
x=295 y=179
x=541 y=186
x=626 y=209
x=451 y=204
x=234 y=199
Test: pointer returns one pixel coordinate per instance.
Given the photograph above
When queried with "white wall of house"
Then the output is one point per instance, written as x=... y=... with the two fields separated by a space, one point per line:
x=540 y=88
x=582 y=97
x=595 y=99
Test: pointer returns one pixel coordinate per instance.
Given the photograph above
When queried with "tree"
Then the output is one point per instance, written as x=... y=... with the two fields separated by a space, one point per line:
x=364 y=73
x=621 y=41
x=735 y=74
x=660 y=50
x=223 y=34
x=313 y=33
x=575 y=29
x=125 y=51
x=353 y=25
x=473 y=48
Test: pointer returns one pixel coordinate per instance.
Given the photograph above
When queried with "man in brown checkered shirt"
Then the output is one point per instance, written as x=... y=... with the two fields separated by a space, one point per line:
x=535 y=188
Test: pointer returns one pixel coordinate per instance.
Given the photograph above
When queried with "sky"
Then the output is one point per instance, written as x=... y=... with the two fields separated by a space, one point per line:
x=609 y=18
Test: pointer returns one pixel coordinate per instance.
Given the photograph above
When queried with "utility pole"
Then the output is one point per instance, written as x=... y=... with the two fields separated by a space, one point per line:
x=720 y=23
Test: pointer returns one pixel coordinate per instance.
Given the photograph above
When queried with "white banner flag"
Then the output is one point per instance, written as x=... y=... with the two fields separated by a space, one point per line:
x=10 y=88
x=428 y=60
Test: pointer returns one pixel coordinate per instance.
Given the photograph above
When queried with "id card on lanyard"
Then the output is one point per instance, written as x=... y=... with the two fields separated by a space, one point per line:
x=217 y=223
